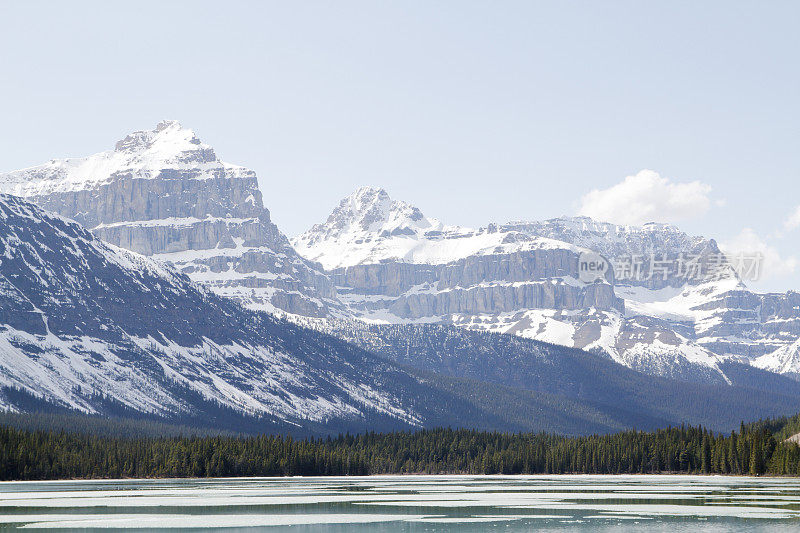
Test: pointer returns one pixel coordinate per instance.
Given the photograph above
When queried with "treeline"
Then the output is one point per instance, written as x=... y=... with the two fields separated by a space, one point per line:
x=753 y=450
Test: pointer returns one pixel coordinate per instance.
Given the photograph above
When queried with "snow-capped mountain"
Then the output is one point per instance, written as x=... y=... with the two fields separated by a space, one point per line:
x=166 y=194
x=613 y=240
x=393 y=264
x=83 y=322
x=89 y=326
x=369 y=227
x=713 y=307
x=784 y=360
x=673 y=304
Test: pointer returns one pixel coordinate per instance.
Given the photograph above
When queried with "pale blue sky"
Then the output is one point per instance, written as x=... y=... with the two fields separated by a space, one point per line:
x=474 y=111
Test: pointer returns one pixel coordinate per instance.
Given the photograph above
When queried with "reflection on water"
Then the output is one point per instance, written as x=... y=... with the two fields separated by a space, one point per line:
x=409 y=503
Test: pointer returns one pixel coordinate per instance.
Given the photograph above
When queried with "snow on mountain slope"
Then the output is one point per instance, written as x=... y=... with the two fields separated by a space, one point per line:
x=704 y=295
x=165 y=193
x=392 y=264
x=784 y=360
x=611 y=240
x=367 y=226
x=386 y=256
x=82 y=320
x=370 y=227
x=145 y=154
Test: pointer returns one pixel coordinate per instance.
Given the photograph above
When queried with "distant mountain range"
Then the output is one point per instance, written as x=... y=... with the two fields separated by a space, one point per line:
x=391 y=263
x=386 y=317
x=86 y=326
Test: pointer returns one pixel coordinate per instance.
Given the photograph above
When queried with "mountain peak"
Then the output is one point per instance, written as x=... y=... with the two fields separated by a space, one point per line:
x=167 y=141
x=144 y=153
x=372 y=210
x=366 y=218
x=167 y=123
x=363 y=200
x=368 y=191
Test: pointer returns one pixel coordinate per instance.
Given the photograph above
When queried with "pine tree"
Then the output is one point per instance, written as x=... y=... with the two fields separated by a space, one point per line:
x=705 y=455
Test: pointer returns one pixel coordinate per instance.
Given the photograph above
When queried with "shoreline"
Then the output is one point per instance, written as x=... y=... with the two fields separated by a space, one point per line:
x=672 y=475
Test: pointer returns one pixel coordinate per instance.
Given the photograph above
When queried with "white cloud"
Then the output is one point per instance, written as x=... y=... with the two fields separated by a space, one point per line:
x=772 y=265
x=647 y=197
x=793 y=222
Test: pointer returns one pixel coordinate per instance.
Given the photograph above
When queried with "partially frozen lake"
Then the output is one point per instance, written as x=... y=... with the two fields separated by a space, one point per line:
x=408 y=503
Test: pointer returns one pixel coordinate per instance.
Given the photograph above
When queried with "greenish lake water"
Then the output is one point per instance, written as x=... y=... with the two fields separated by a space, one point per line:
x=408 y=503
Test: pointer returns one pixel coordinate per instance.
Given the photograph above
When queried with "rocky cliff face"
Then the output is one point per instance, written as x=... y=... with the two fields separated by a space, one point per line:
x=391 y=263
x=711 y=306
x=89 y=326
x=611 y=240
x=92 y=327
x=747 y=324
x=505 y=282
x=165 y=194
x=387 y=258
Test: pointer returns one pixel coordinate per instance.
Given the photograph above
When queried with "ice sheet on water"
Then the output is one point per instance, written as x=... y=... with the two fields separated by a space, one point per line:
x=96 y=520
x=513 y=501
